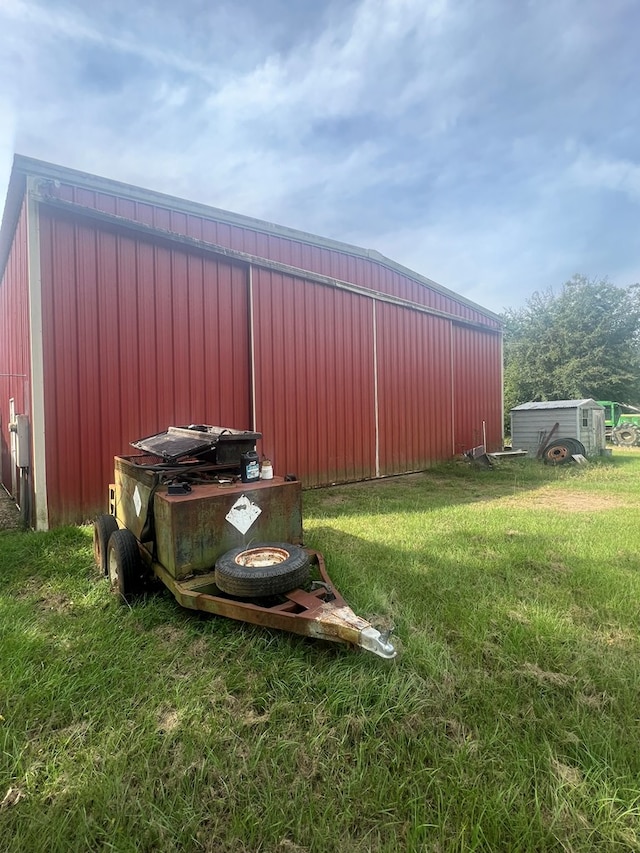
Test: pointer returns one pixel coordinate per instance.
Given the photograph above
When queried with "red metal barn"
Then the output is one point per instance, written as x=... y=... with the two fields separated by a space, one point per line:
x=125 y=311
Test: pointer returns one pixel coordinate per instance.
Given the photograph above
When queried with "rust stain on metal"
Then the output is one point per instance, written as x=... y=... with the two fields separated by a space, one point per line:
x=321 y=613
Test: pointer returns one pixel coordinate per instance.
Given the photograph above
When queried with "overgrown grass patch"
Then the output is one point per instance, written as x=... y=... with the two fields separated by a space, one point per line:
x=509 y=722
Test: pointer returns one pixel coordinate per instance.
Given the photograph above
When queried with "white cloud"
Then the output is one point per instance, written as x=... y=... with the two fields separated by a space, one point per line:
x=7 y=143
x=427 y=129
x=601 y=172
x=57 y=23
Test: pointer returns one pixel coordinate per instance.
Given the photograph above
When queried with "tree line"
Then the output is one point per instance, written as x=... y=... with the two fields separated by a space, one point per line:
x=583 y=341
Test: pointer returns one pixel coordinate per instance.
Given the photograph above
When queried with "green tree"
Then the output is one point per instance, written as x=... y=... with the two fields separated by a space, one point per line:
x=581 y=342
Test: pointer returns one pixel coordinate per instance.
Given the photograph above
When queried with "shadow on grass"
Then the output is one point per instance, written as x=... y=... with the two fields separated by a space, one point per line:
x=448 y=485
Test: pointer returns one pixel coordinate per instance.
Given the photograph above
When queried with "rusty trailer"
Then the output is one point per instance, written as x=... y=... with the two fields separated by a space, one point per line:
x=224 y=547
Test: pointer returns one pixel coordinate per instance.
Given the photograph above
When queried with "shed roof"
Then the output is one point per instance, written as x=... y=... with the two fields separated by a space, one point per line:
x=28 y=166
x=558 y=404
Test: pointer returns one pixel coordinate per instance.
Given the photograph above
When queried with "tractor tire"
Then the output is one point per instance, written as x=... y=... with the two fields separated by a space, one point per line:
x=269 y=568
x=559 y=452
x=626 y=435
x=126 y=569
x=103 y=527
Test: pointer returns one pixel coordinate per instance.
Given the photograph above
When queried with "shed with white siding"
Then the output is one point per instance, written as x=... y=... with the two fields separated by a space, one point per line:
x=579 y=419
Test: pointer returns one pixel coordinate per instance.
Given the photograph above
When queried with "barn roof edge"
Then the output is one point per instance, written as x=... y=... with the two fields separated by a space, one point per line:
x=24 y=167
x=555 y=404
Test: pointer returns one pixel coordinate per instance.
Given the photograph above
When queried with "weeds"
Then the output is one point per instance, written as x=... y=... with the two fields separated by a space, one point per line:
x=508 y=723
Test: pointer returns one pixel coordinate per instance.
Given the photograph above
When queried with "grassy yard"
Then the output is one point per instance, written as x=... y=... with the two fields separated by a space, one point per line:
x=510 y=721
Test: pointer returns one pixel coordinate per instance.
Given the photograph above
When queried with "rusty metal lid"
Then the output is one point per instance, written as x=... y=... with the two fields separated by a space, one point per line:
x=181 y=442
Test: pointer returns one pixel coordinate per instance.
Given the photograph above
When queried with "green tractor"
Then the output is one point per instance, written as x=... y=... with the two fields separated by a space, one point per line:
x=621 y=423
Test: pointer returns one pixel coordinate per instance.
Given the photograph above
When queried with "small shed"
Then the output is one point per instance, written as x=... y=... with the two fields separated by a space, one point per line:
x=583 y=420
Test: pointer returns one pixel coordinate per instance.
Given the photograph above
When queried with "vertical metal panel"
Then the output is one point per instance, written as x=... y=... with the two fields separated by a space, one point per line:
x=60 y=354
x=138 y=337
x=414 y=388
x=14 y=340
x=88 y=307
x=477 y=372
x=314 y=379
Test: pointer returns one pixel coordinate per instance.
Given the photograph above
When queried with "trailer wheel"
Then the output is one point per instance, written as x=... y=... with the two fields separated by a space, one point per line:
x=126 y=571
x=269 y=568
x=103 y=527
x=559 y=451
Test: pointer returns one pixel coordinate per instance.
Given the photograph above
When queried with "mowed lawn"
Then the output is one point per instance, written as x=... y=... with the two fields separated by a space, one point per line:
x=510 y=721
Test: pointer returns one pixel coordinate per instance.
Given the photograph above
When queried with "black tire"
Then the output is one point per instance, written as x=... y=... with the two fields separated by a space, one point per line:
x=103 y=527
x=126 y=569
x=578 y=446
x=626 y=435
x=559 y=452
x=268 y=568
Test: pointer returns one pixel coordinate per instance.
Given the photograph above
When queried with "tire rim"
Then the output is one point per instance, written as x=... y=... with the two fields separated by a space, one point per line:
x=258 y=558
x=558 y=453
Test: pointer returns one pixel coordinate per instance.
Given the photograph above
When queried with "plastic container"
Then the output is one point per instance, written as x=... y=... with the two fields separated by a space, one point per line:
x=266 y=472
x=249 y=467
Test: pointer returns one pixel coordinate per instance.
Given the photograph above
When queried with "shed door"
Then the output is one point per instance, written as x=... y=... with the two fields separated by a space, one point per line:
x=598 y=429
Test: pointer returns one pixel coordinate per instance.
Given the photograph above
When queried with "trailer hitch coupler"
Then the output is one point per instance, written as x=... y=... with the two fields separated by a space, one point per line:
x=373 y=641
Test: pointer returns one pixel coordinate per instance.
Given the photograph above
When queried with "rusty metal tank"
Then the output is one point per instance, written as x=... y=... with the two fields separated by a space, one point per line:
x=188 y=532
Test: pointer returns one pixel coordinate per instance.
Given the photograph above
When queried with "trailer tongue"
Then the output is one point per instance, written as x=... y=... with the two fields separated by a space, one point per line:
x=321 y=612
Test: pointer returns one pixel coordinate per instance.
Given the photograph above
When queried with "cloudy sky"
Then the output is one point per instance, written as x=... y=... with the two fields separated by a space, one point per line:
x=491 y=145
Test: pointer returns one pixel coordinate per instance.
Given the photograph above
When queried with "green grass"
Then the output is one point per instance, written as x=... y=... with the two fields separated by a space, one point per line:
x=509 y=722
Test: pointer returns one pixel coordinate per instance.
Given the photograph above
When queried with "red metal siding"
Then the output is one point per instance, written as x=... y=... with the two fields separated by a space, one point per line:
x=314 y=379
x=414 y=388
x=14 y=339
x=477 y=360
x=326 y=261
x=137 y=337
x=141 y=333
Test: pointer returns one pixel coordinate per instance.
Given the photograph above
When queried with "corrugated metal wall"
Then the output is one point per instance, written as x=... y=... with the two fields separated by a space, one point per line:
x=314 y=378
x=414 y=388
x=326 y=261
x=138 y=337
x=141 y=332
x=14 y=339
x=529 y=425
x=477 y=394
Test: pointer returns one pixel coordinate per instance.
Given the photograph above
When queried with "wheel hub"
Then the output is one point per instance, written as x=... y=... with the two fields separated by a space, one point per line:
x=257 y=558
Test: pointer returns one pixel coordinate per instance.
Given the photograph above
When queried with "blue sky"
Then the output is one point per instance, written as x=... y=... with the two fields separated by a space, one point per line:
x=491 y=145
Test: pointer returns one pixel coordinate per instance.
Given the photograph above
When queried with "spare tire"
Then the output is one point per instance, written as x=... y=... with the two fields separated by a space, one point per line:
x=559 y=452
x=268 y=568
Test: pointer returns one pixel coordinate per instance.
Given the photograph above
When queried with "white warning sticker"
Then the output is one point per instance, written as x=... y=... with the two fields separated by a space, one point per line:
x=242 y=514
x=137 y=501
